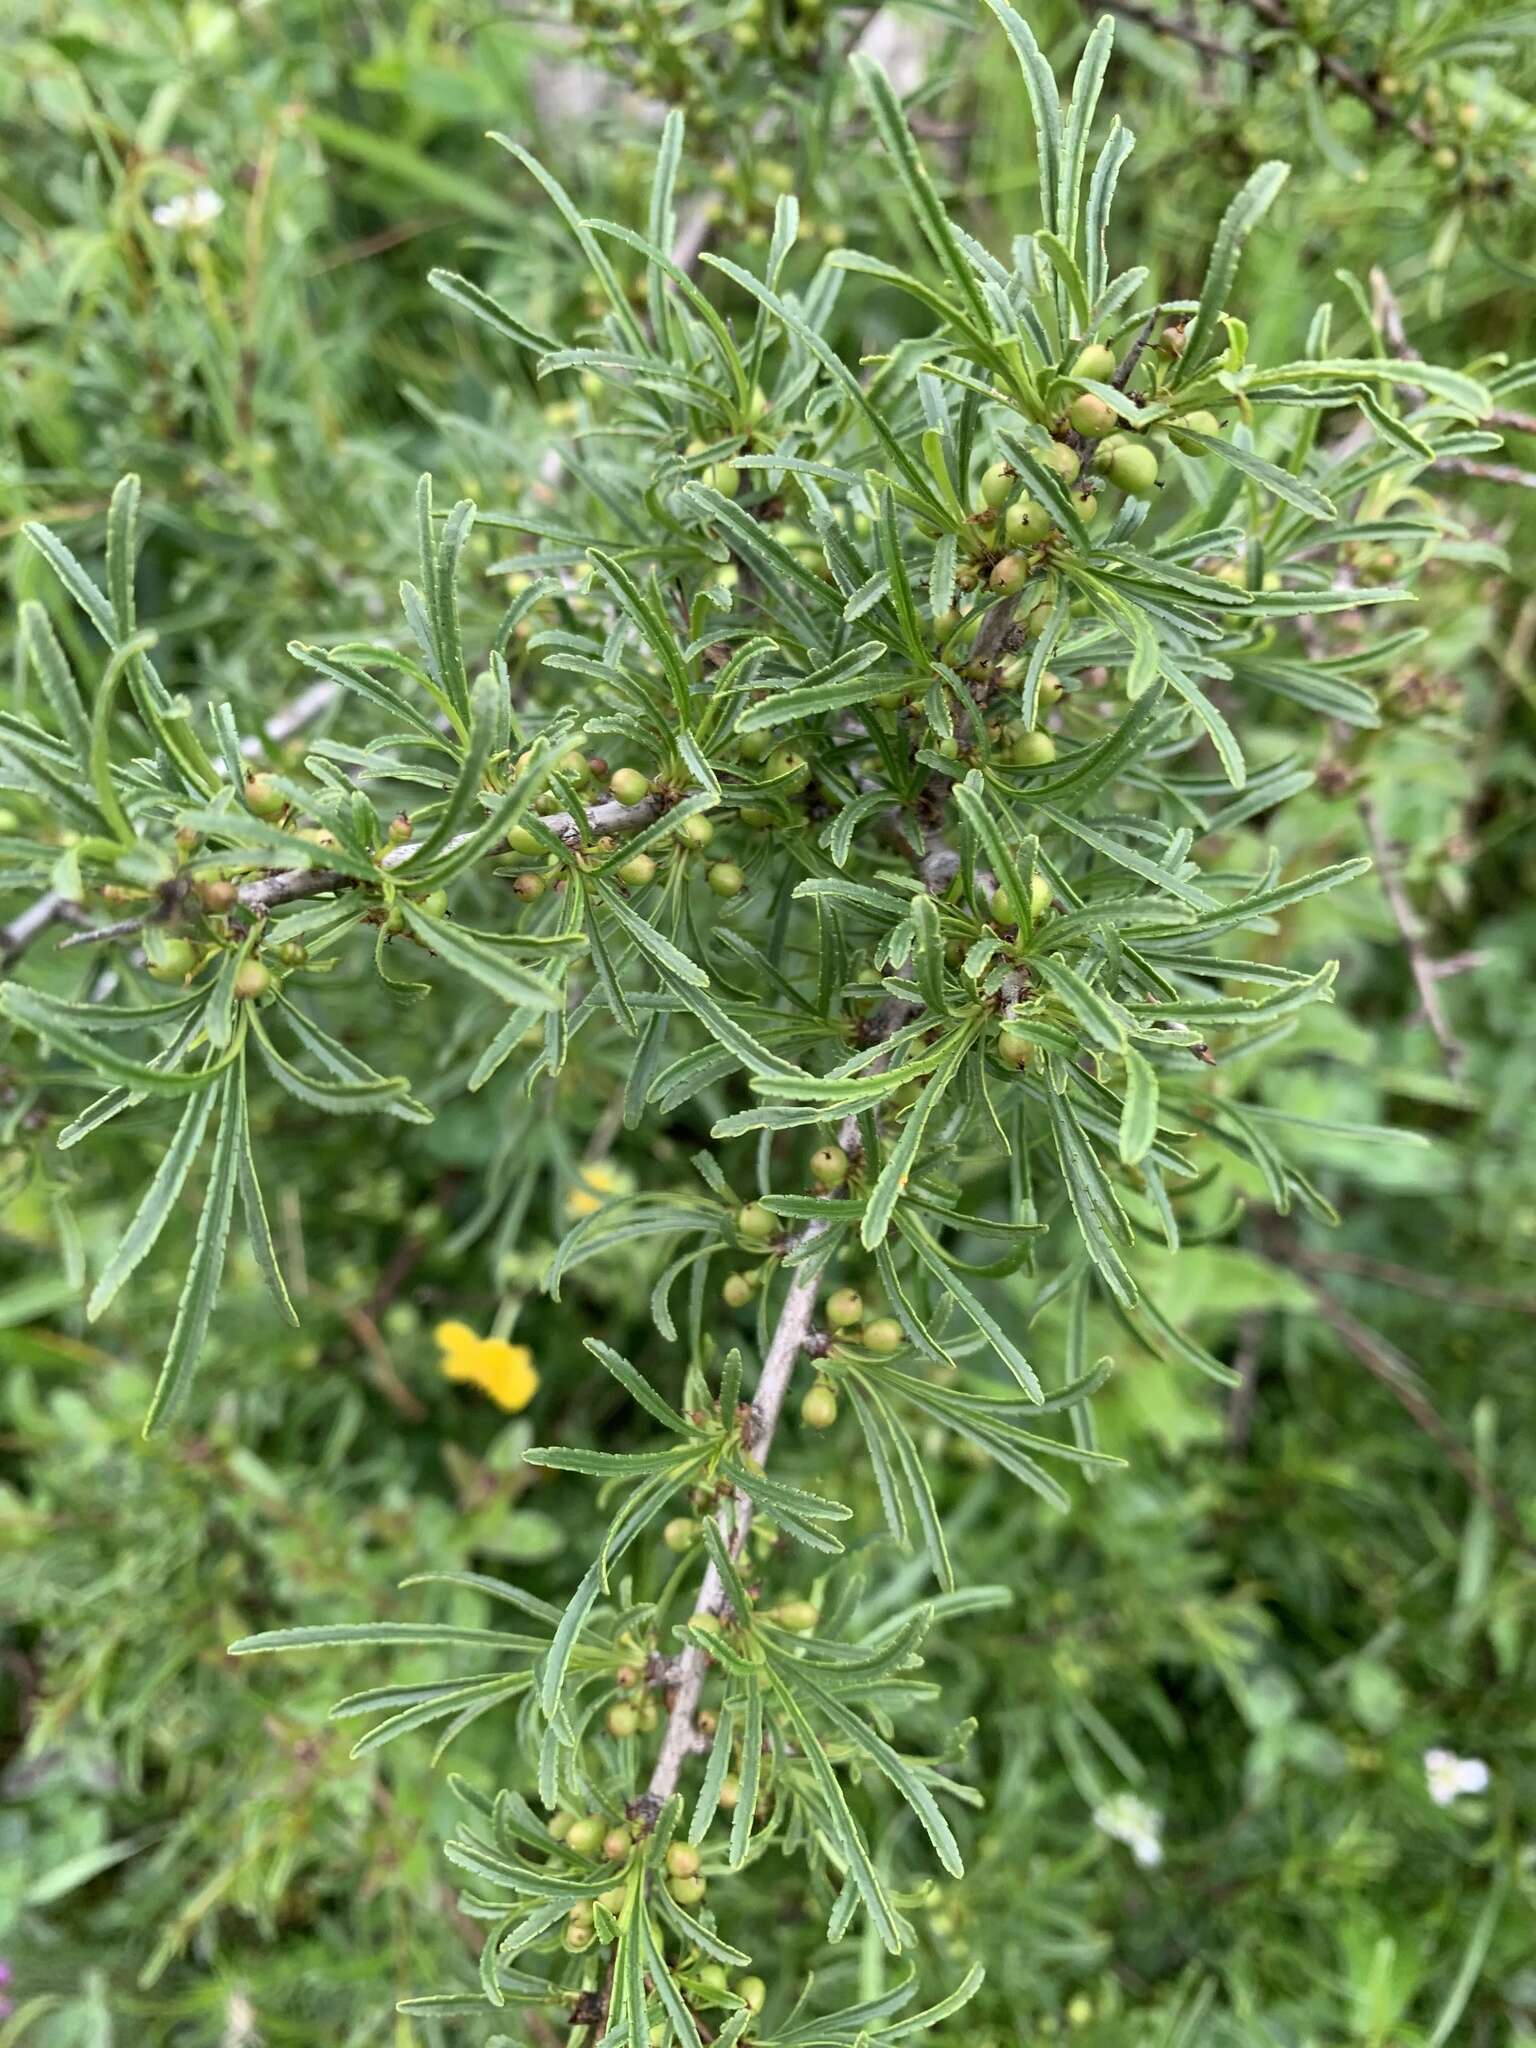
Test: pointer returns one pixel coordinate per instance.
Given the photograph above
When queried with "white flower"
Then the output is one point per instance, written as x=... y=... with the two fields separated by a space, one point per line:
x=1125 y=1818
x=188 y=209
x=1451 y=1776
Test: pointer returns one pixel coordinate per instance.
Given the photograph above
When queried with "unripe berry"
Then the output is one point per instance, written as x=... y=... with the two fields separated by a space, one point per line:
x=730 y=1791
x=1039 y=895
x=584 y=1837
x=648 y=1715
x=829 y=1166
x=622 y=1720
x=575 y=766
x=292 y=954
x=1026 y=523
x=786 y=762
x=723 y=477
x=616 y=1898
x=628 y=786
x=529 y=887
x=251 y=980
x=1048 y=688
x=1133 y=467
x=1064 y=461
x=218 y=895
x=819 y=1408
x=638 y=871
x=579 y=1934
x=398 y=830
x=1009 y=574
x=737 y=1291
x=521 y=840
x=1193 y=423
x=712 y=1976
x=1013 y=1049
x=1172 y=340
x=1091 y=415
x=845 y=1308
x=752 y=1992
x=682 y=1859
x=264 y=797
x=756 y=1223
x=434 y=903
x=687 y=1891
x=173 y=960
x=798 y=1616
x=1095 y=361
x=1032 y=750
x=680 y=1534
x=696 y=831
x=726 y=879
x=1086 y=505
x=996 y=483
x=1002 y=907
x=561 y=1824
x=884 y=1335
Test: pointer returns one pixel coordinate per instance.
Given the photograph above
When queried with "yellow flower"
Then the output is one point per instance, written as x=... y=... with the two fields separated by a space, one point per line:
x=595 y=1184
x=502 y=1370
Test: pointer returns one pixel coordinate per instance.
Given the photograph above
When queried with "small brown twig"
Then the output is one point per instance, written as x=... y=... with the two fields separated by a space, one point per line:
x=1180 y=31
x=1410 y=925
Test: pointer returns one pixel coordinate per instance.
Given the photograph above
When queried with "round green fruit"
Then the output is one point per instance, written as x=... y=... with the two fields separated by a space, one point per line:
x=799 y=1616
x=696 y=831
x=251 y=980
x=1009 y=575
x=623 y=1720
x=264 y=797
x=737 y=1290
x=1033 y=750
x=819 y=1408
x=638 y=871
x=752 y=1992
x=1133 y=468
x=787 y=763
x=884 y=1335
x=529 y=887
x=756 y=1223
x=996 y=483
x=1027 y=523
x=682 y=1860
x=521 y=840
x=845 y=1308
x=688 y=1891
x=1065 y=462
x=829 y=1166
x=584 y=1837
x=726 y=879
x=680 y=1534
x=628 y=786
x=173 y=960
x=1193 y=423
x=1091 y=415
x=1095 y=361
x=1014 y=1049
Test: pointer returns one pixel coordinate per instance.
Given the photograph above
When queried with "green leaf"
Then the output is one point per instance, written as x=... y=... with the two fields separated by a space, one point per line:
x=207 y=1268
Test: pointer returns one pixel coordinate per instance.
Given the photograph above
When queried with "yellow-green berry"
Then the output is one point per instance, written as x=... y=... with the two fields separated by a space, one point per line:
x=819 y=1408
x=845 y=1308
x=884 y=1335
x=726 y=879
x=1095 y=361
x=628 y=786
x=757 y=1223
x=829 y=1166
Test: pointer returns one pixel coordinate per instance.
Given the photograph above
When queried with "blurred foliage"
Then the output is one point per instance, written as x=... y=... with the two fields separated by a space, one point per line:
x=1297 y=1589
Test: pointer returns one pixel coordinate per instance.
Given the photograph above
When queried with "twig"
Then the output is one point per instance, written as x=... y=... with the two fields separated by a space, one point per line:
x=1245 y=1362
x=1346 y=76
x=1412 y=1281
x=1407 y=920
x=682 y=1737
x=1487 y=472
x=291 y=884
x=1386 y=1364
x=26 y=925
x=1182 y=32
